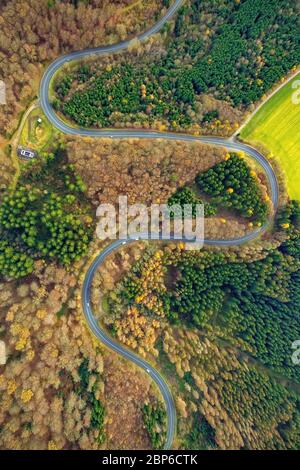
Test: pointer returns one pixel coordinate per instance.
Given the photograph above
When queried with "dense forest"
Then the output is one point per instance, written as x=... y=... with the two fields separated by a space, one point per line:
x=49 y=216
x=254 y=301
x=230 y=184
x=66 y=391
x=35 y=32
x=40 y=222
x=148 y=171
x=155 y=420
x=226 y=321
x=233 y=51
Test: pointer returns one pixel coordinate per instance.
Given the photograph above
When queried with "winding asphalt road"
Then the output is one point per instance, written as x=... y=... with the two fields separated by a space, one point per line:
x=142 y=134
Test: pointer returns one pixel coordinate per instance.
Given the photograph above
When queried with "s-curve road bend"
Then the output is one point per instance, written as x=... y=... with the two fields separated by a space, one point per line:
x=142 y=134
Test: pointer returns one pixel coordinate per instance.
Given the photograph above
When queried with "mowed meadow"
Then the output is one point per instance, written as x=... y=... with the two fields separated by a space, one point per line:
x=277 y=127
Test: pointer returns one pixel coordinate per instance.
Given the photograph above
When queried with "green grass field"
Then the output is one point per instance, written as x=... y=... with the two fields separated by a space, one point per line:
x=37 y=136
x=277 y=127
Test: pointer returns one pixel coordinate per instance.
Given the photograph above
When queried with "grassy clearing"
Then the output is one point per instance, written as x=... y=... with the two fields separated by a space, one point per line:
x=138 y=3
x=37 y=135
x=276 y=126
